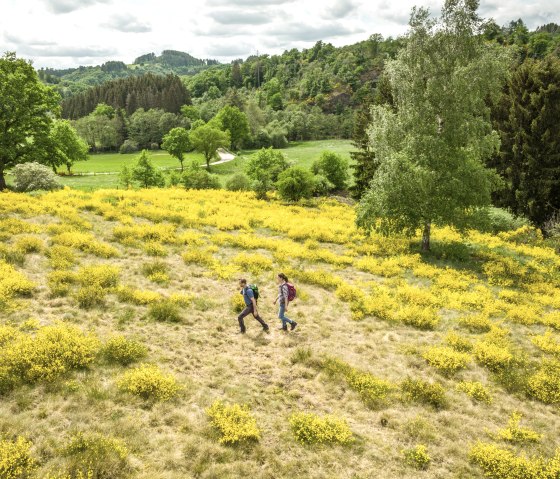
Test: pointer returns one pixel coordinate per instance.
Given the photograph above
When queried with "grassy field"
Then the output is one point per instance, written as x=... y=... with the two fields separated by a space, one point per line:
x=442 y=365
x=301 y=153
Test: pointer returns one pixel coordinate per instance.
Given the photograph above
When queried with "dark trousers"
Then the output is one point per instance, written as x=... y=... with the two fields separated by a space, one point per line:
x=246 y=312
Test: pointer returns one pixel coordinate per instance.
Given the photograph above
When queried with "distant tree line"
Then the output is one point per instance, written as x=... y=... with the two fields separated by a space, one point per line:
x=146 y=91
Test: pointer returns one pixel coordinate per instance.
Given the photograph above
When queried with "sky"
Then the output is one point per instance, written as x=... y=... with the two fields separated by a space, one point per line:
x=69 y=33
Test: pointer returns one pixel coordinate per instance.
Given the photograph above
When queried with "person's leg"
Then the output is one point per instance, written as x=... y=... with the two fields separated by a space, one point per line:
x=248 y=310
x=260 y=320
x=285 y=320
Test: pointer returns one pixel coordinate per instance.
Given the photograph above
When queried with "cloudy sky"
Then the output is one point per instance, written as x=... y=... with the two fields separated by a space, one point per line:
x=66 y=33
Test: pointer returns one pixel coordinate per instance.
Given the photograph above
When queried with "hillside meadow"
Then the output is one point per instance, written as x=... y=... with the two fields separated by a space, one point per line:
x=120 y=355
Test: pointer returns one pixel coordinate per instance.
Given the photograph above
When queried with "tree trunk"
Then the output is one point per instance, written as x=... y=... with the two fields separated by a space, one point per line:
x=3 y=185
x=426 y=236
x=181 y=166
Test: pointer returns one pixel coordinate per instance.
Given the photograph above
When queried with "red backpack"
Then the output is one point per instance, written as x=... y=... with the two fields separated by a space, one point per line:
x=292 y=293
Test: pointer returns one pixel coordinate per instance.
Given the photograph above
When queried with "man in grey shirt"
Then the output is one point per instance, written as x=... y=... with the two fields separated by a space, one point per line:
x=250 y=307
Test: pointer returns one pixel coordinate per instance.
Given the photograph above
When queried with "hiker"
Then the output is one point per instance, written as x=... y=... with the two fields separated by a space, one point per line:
x=250 y=306
x=285 y=292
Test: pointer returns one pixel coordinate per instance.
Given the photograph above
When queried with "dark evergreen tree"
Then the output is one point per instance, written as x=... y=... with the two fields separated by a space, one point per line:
x=527 y=117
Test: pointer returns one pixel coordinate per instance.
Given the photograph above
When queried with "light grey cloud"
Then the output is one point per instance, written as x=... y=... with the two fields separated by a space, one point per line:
x=246 y=3
x=18 y=40
x=66 y=6
x=218 y=30
x=231 y=49
x=339 y=9
x=61 y=51
x=127 y=22
x=239 y=17
x=306 y=33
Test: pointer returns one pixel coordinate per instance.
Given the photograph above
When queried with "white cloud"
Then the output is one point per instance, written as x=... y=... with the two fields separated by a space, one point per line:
x=67 y=33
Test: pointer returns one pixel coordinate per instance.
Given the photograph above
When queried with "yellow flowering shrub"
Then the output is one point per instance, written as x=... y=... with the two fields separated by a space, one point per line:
x=156 y=271
x=523 y=314
x=60 y=282
x=139 y=297
x=476 y=323
x=96 y=455
x=150 y=383
x=516 y=434
x=552 y=320
x=349 y=293
x=237 y=303
x=497 y=463
x=154 y=248
x=547 y=343
x=181 y=299
x=161 y=232
x=16 y=226
x=51 y=352
x=309 y=428
x=29 y=244
x=103 y=275
x=417 y=457
x=165 y=310
x=316 y=277
x=201 y=257
x=544 y=385
x=234 y=422
x=61 y=257
x=85 y=242
x=492 y=356
x=417 y=316
x=16 y=461
x=119 y=349
x=446 y=359
x=475 y=390
x=418 y=390
x=458 y=342
x=88 y=297
x=13 y=284
x=254 y=263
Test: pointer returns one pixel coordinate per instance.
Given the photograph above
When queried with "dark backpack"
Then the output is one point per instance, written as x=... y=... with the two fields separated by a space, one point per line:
x=292 y=293
x=255 y=290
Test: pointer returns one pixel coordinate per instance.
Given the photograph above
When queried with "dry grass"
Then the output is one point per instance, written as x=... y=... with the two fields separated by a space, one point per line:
x=174 y=439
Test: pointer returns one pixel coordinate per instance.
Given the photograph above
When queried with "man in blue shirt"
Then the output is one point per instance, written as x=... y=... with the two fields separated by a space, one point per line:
x=250 y=307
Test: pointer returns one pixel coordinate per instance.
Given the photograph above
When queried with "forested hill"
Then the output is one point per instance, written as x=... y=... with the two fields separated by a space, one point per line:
x=74 y=80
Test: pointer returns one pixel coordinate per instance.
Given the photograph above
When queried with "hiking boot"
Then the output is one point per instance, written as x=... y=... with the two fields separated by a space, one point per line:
x=241 y=331
x=283 y=328
x=293 y=326
x=266 y=329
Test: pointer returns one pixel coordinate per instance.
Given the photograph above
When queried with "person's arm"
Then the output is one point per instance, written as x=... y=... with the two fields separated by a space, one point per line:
x=254 y=305
x=285 y=296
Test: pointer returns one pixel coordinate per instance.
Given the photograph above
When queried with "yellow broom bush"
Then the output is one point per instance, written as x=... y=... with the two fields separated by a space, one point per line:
x=234 y=422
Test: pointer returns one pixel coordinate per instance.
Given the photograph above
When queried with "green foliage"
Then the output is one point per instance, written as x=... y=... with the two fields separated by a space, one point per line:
x=197 y=178
x=515 y=434
x=544 y=385
x=146 y=173
x=28 y=107
x=334 y=168
x=234 y=121
x=417 y=457
x=431 y=149
x=16 y=461
x=295 y=183
x=445 y=359
x=177 y=142
x=526 y=117
x=310 y=428
x=418 y=390
x=165 y=310
x=475 y=390
x=60 y=282
x=235 y=422
x=208 y=139
x=123 y=351
x=65 y=147
x=34 y=176
x=128 y=146
x=238 y=182
x=97 y=456
x=149 y=383
x=264 y=168
x=126 y=179
x=497 y=220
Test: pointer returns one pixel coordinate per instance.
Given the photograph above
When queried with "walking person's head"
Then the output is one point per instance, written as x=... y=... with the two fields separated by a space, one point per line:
x=242 y=282
x=282 y=278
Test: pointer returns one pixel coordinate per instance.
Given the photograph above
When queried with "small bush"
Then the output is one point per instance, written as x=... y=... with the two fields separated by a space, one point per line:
x=458 y=342
x=295 y=184
x=515 y=434
x=424 y=392
x=417 y=457
x=492 y=356
x=445 y=359
x=129 y=146
x=60 y=282
x=149 y=382
x=12 y=255
x=96 y=456
x=475 y=390
x=153 y=248
x=418 y=317
x=499 y=463
x=61 y=257
x=165 y=310
x=29 y=244
x=90 y=296
x=136 y=296
x=156 y=271
x=235 y=422
x=104 y=276
x=238 y=182
x=476 y=323
x=334 y=168
x=310 y=428
x=121 y=350
x=237 y=303
x=200 y=179
x=544 y=385
x=16 y=461
x=34 y=176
